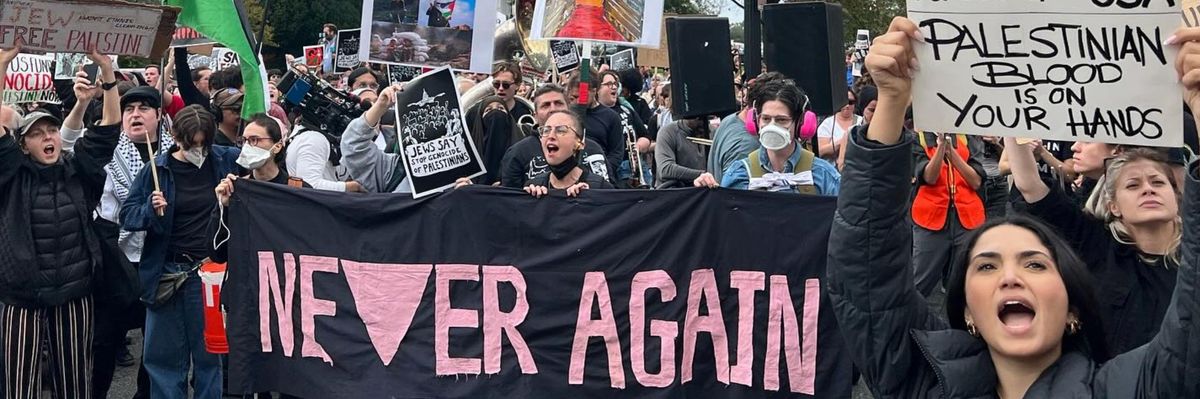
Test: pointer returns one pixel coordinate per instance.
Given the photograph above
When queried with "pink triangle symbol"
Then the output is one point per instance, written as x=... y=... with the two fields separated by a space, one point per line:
x=376 y=288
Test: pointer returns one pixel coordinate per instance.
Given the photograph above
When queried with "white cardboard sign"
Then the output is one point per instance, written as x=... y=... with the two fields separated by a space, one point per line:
x=1069 y=70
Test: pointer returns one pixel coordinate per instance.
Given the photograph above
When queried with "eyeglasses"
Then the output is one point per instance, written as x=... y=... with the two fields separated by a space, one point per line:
x=778 y=120
x=372 y=86
x=501 y=84
x=254 y=140
x=610 y=84
x=559 y=131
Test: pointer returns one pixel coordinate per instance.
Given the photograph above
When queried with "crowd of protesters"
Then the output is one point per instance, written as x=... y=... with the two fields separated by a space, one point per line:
x=1067 y=269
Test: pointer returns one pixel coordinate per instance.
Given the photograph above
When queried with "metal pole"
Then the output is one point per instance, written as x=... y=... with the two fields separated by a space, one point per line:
x=262 y=30
x=753 y=31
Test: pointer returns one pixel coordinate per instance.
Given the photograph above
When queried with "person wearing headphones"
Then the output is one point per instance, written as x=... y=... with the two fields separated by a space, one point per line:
x=227 y=109
x=780 y=164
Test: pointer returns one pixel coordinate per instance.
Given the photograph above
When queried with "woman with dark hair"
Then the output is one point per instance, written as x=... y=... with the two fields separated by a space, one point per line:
x=1021 y=319
x=562 y=140
x=493 y=133
x=1129 y=238
x=174 y=213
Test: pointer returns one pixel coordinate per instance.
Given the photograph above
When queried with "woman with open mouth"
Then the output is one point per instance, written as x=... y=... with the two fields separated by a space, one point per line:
x=562 y=140
x=1021 y=316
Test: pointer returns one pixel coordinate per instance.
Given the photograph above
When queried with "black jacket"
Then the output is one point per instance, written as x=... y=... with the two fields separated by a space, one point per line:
x=1133 y=295
x=905 y=351
x=22 y=281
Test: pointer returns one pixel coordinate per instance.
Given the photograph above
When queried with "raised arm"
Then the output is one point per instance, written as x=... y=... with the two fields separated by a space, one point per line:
x=10 y=152
x=869 y=266
x=369 y=165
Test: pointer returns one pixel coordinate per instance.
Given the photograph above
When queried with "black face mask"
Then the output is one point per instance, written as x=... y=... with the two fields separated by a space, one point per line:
x=563 y=169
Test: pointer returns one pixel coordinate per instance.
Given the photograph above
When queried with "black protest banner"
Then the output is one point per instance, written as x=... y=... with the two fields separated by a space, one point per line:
x=347 y=51
x=437 y=149
x=488 y=292
x=1056 y=70
x=402 y=73
x=566 y=55
x=622 y=60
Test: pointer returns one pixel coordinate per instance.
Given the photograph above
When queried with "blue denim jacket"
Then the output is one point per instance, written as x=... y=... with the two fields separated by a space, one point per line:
x=137 y=214
x=825 y=175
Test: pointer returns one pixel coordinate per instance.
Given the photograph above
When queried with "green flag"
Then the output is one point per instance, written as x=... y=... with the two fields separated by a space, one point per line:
x=224 y=21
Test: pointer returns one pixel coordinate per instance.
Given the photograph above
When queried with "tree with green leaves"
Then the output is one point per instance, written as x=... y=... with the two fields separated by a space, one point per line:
x=872 y=15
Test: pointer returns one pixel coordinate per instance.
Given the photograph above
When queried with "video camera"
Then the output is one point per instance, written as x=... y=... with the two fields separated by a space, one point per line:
x=322 y=108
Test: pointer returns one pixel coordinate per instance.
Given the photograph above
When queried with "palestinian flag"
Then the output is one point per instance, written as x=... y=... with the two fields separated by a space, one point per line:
x=226 y=22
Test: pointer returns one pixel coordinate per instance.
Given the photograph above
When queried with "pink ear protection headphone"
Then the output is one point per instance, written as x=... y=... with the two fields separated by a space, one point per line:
x=807 y=129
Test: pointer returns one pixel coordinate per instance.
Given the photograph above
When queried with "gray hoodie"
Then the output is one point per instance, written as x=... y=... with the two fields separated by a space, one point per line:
x=367 y=164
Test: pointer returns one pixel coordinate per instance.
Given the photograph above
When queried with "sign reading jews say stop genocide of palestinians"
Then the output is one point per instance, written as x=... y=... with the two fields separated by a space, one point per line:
x=1065 y=70
x=437 y=149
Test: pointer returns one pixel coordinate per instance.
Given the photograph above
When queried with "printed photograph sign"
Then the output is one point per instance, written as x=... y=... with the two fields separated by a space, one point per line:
x=431 y=33
x=313 y=55
x=1055 y=70
x=73 y=26
x=622 y=60
x=627 y=22
x=66 y=64
x=566 y=55
x=437 y=149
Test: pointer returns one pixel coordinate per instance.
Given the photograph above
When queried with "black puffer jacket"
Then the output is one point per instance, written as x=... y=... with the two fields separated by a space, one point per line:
x=904 y=351
x=29 y=276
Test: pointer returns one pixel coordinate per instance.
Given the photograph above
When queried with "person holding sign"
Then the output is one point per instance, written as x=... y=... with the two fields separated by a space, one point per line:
x=51 y=246
x=374 y=170
x=1129 y=238
x=1022 y=317
x=562 y=141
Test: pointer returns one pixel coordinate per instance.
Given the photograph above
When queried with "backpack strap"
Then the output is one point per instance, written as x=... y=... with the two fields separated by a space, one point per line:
x=754 y=164
x=806 y=161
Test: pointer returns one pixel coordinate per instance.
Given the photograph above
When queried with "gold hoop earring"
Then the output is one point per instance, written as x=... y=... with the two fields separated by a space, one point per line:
x=1073 y=327
x=971 y=329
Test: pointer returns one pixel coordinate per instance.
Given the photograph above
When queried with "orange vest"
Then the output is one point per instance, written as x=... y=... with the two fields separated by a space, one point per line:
x=932 y=203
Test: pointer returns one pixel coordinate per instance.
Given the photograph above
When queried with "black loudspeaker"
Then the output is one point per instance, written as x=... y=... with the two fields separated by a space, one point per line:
x=804 y=42
x=701 y=67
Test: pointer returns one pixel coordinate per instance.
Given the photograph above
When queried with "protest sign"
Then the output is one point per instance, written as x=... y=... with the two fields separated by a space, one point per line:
x=196 y=61
x=313 y=55
x=862 y=44
x=188 y=37
x=334 y=305
x=566 y=55
x=402 y=73
x=430 y=33
x=30 y=79
x=1062 y=70
x=225 y=58
x=656 y=57
x=621 y=61
x=437 y=149
x=626 y=22
x=347 y=51
x=66 y=64
x=72 y=26
x=1191 y=13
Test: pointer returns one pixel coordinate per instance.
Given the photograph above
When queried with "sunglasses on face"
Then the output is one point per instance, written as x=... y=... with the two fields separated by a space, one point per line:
x=501 y=85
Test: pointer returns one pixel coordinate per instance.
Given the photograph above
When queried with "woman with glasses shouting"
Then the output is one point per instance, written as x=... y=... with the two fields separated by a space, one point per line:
x=562 y=140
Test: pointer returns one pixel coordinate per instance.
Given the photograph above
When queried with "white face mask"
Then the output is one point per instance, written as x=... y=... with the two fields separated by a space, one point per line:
x=774 y=138
x=253 y=157
x=195 y=156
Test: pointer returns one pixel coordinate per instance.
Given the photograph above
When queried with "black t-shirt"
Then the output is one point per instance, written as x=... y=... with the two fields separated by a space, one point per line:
x=525 y=160
x=193 y=202
x=1061 y=151
x=603 y=125
x=630 y=121
x=593 y=181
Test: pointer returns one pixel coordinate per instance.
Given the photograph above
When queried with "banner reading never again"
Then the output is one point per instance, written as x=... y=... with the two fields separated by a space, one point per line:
x=489 y=292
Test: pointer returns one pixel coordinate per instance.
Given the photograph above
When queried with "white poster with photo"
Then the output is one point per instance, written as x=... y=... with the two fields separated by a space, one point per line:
x=73 y=26
x=1072 y=70
x=626 y=22
x=431 y=33
x=30 y=79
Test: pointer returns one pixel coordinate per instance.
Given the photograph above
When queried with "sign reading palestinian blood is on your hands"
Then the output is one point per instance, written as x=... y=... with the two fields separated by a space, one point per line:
x=1066 y=70
x=74 y=26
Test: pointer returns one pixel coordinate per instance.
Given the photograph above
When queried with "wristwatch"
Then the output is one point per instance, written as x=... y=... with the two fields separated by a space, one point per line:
x=108 y=86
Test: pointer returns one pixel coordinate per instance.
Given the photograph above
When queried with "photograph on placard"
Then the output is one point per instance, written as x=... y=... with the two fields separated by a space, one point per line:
x=439 y=33
x=630 y=22
x=66 y=64
x=314 y=55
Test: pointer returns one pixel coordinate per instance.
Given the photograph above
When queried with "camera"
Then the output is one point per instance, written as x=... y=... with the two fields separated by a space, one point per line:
x=321 y=107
